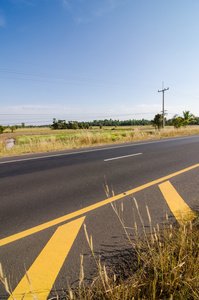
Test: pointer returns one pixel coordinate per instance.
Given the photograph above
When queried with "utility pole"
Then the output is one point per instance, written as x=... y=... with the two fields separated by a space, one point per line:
x=162 y=91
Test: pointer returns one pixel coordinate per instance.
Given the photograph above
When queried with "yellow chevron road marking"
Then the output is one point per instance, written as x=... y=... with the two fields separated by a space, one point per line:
x=43 y=272
x=78 y=213
x=178 y=207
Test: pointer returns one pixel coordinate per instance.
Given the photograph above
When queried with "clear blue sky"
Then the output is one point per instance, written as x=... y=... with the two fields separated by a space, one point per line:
x=94 y=59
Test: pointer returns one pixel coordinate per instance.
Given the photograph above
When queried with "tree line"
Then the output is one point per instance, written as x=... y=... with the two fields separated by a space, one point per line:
x=177 y=121
x=62 y=124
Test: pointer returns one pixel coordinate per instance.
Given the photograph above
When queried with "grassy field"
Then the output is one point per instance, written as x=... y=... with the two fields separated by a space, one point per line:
x=34 y=140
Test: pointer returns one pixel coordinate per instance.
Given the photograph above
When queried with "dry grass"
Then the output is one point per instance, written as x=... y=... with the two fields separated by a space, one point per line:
x=44 y=139
x=163 y=264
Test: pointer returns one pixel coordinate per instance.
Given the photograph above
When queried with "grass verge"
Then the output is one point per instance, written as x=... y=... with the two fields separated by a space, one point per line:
x=47 y=140
x=162 y=264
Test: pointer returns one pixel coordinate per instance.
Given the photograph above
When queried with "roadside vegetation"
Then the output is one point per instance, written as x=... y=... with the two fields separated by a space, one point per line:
x=162 y=263
x=61 y=135
x=35 y=140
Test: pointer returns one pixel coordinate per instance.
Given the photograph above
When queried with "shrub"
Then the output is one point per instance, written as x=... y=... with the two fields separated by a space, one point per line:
x=2 y=129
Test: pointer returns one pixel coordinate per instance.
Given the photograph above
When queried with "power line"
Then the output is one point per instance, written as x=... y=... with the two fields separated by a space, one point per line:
x=163 y=113
x=66 y=79
x=18 y=119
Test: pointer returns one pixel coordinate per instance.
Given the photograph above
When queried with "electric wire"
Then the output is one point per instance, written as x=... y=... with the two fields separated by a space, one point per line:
x=67 y=79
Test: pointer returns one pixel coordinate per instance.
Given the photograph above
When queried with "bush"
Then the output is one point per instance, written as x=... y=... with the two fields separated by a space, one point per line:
x=2 y=129
x=162 y=264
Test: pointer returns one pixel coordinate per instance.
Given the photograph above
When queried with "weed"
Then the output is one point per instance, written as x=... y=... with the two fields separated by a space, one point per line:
x=162 y=264
x=165 y=264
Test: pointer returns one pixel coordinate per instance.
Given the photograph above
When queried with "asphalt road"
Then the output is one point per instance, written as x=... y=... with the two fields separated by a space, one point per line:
x=39 y=188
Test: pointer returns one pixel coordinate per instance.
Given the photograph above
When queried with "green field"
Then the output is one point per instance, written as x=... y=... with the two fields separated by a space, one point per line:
x=42 y=139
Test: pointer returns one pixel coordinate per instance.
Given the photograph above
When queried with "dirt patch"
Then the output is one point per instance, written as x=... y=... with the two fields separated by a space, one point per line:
x=13 y=135
x=6 y=136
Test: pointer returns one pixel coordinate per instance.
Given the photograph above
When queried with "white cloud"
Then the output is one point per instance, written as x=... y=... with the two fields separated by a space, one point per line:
x=106 y=7
x=37 y=114
x=66 y=4
x=32 y=108
x=85 y=11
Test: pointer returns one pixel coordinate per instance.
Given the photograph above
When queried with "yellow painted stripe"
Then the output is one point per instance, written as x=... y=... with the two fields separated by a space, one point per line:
x=178 y=207
x=77 y=213
x=43 y=272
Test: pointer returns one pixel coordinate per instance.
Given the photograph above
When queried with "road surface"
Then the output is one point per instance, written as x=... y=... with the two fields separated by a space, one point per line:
x=45 y=196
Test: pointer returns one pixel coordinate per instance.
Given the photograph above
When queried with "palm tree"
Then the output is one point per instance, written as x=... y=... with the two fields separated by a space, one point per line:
x=188 y=117
x=177 y=122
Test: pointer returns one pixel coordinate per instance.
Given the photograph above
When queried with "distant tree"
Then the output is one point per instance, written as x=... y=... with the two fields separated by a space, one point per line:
x=157 y=121
x=177 y=122
x=60 y=124
x=187 y=117
x=119 y=123
x=23 y=125
x=81 y=125
x=55 y=124
x=75 y=125
x=86 y=125
x=2 y=128
x=12 y=128
x=195 y=122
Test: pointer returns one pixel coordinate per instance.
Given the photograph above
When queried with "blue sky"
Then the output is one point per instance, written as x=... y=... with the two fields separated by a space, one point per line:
x=94 y=59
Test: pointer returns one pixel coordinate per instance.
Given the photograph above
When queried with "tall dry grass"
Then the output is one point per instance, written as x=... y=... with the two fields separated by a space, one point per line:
x=66 y=139
x=163 y=264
